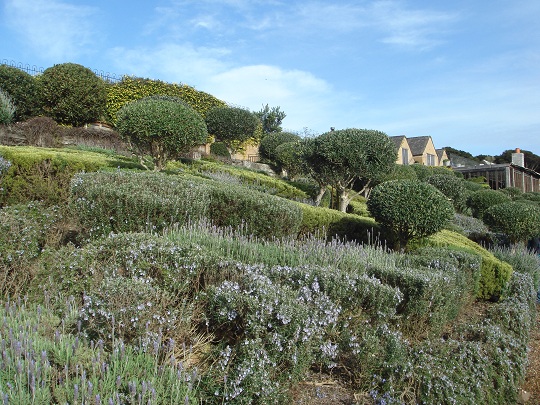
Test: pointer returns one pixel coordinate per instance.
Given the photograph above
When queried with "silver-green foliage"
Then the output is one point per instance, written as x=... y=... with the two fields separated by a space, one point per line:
x=7 y=108
x=161 y=127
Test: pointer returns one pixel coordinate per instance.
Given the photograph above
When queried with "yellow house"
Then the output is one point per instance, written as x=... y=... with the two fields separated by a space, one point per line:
x=404 y=155
x=444 y=160
x=423 y=150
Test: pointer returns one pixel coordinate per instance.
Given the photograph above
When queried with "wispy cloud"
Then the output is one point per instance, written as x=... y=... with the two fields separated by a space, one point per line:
x=54 y=30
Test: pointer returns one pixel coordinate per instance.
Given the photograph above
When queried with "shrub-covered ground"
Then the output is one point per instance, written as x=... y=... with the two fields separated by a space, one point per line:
x=205 y=285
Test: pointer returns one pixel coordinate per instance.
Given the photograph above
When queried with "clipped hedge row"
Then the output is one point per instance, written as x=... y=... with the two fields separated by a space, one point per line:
x=133 y=202
x=134 y=88
x=326 y=221
x=495 y=274
x=25 y=230
x=249 y=178
x=45 y=174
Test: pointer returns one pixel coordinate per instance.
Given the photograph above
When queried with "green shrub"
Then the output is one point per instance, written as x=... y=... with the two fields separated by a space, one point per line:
x=220 y=149
x=72 y=94
x=400 y=172
x=481 y=200
x=451 y=187
x=289 y=156
x=7 y=108
x=409 y=209
x=45 y=174
x=513 y=192
x=124 y=202
x=495 y=273
x=24 y=231
x=436 y=283
x=161 y=128
x=134 y=88
x=332 y=223
x=358 y=206
x=269 y=144
x=233 y=126
x=517 y=220
x=23 y=90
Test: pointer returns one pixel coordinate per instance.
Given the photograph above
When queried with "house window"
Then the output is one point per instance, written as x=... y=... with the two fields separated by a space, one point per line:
x=430 y=159
x=405 y=156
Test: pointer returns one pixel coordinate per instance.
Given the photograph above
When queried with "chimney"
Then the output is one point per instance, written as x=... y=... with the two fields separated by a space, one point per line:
x=518 y=158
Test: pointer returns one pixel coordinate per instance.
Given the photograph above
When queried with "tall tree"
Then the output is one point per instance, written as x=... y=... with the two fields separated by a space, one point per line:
x=271 y=118
x=340 y=157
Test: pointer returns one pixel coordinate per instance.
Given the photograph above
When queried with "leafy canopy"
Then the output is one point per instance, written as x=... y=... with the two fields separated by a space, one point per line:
x=271 y=118
x=232 y=125
x=163 y=128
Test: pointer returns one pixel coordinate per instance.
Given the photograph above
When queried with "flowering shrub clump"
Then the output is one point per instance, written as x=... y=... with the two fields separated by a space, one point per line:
x=42 y=364
x=24 y=231
x=134 y=202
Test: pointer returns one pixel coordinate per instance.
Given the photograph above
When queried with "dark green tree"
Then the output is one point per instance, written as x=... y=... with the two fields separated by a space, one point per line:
x=23 y=90
x=290 y=158
x=341 y=157
x=233 y=126
x=161 y=128
x=72 y=94
x=409 y=209
x=519 y=221
x=269 y=144
x=271 y=118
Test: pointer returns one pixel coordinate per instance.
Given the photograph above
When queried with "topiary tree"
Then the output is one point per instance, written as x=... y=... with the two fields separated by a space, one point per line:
x=289 y=156
x=481 y=200
x=513 y=192
x=23 y=90
x=453 y=188
x=350 y=155
x=269 y=144
x=7 y=108
x=409 y=209
x=519 y=221
x=72 y=94
x=271 y=118
x=162 y=128
x=233 y=126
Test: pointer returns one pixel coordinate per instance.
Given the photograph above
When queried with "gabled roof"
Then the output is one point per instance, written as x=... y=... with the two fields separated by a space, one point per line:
x=440 y=153
x=398 y=140
x=418 y=144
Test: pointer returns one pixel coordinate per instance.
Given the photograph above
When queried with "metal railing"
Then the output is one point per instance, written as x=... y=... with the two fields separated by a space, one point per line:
x=35 y=70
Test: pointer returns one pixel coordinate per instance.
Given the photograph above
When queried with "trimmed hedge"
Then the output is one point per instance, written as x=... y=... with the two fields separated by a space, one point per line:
x=134 y=202
x=45 y=174
x=72 y=94
x=332 y=223
x=23 y=90
x=481 y=200
x=495 y=273
x=409 y=209
x=519 y=221
x=135 y=88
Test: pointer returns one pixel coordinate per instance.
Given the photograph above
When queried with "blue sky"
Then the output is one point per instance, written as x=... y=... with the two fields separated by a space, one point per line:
x=465 y=72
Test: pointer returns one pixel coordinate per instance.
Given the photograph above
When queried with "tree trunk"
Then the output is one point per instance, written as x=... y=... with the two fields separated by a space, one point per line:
x=318 y=199
x=344 y=199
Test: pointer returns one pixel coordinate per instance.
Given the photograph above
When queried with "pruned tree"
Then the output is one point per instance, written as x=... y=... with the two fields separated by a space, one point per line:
x=339 y=158
x=233 y=126
x=163 y=128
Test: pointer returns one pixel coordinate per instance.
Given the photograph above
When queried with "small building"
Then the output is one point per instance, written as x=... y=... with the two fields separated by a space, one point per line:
x=505 y=175
x=444 y=160
x=404 y=155
x=423 y=150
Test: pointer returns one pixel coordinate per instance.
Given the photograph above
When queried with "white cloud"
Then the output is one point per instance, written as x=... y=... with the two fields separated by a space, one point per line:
x=306 y=99
x=54 y=30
